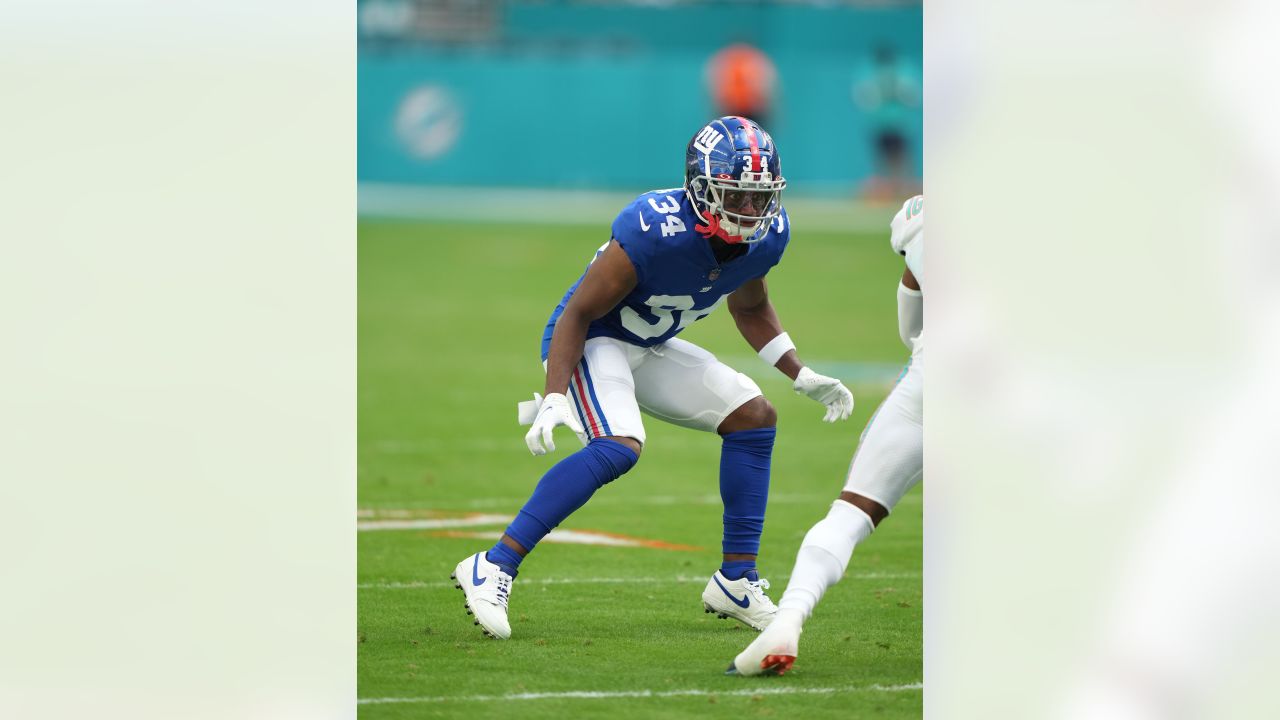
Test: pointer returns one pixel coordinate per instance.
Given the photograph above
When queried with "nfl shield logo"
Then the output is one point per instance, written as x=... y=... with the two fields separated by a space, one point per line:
x=713 y=275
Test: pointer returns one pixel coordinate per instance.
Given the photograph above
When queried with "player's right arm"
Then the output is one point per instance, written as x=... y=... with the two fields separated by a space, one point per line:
x=609 y=279
x=910 y=308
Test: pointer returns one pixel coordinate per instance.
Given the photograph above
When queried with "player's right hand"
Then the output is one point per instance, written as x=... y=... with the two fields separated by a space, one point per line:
x=553 y=411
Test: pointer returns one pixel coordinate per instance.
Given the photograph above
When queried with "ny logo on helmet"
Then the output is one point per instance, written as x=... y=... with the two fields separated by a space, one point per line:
x=707 y=139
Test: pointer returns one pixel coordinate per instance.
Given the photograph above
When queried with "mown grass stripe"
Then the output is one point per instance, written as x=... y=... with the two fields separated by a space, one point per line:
x=598 y=695
x=415 y=584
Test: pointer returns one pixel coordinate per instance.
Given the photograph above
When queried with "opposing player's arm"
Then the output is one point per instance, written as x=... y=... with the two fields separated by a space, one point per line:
x=909 y=280
x=606 y=283
x=910 y=308
x=758 y=322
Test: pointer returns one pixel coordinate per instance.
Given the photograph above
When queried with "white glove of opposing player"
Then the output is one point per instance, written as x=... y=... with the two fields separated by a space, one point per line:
x=826 y=390
x=553 y=411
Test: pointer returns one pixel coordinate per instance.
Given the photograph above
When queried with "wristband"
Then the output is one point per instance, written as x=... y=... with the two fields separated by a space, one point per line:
x=776 y=348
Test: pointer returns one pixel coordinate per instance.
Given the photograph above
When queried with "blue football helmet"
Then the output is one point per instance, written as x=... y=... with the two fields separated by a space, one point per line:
x=734 y=179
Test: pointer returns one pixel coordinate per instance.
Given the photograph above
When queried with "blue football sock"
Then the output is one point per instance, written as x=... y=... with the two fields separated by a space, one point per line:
x=744 y=488
x=566 y=487
x=738 y=569
x=504 y=557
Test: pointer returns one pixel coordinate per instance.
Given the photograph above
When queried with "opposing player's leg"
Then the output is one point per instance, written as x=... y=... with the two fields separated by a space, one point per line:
x=889 y=461
x=602 y=392
x=685 y=385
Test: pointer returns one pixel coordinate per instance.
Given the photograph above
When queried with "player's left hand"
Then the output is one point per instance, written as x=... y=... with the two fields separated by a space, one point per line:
x=826 y=390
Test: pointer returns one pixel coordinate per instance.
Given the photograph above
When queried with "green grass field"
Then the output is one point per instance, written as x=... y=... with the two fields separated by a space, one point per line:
x=450 y=320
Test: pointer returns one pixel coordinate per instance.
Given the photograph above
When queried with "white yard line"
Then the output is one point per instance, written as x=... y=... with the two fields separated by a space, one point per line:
x=595 y=695
x=432 y=523
x=421 y=584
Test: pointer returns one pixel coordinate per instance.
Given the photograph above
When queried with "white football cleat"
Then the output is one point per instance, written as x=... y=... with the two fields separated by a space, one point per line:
x=743 y=600
x=486 y=589
x=774 y=651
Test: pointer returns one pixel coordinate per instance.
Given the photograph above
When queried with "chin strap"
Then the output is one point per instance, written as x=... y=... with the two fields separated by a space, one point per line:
x=713 y=228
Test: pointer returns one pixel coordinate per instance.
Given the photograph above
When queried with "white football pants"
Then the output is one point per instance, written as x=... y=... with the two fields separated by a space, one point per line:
x=889 y=460
x=677 y=382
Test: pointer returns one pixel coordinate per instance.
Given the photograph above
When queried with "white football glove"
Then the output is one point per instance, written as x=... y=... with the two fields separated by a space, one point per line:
x=826 y=390
x=554 y=410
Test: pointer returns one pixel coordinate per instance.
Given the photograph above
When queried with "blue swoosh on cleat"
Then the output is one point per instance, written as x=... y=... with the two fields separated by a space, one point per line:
x=477 y=580
x=744 y=602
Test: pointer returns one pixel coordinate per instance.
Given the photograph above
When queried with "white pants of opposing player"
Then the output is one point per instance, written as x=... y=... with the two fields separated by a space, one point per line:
x=889 y=461
x=677 y=382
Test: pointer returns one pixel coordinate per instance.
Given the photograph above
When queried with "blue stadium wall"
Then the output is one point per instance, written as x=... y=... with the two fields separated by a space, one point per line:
x=605 y=97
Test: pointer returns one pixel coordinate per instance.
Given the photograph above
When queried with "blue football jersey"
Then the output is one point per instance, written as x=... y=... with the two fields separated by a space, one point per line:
x=679 y=280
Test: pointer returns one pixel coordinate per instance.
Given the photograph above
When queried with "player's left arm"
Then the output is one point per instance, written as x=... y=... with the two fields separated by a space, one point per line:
x=758 y=322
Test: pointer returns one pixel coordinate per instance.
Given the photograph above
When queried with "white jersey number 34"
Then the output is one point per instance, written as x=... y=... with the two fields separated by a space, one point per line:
x=673 y=224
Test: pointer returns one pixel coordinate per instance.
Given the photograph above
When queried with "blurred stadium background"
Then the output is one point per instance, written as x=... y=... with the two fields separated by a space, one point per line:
x=497 y=140
x=600 y=96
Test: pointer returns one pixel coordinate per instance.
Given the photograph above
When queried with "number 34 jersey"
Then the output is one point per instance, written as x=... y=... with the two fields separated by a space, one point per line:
x=679 y=280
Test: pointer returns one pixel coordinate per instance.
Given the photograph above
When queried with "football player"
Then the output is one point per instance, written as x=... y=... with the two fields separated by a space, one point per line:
x=889 y=461
x=610 y=351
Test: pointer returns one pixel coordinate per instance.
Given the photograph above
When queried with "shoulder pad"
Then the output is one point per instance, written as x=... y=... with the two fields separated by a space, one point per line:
x=907 y=225
x=656 y=214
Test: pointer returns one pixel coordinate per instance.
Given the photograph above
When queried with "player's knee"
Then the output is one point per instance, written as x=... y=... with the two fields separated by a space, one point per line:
x=873 y=509
x=755 y=413
x=628 y=442
x=767 y=416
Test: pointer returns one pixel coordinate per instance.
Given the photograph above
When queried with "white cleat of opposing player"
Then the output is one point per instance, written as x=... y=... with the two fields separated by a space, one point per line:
x=486 y=589
x=774 y=651
x=743 y=600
